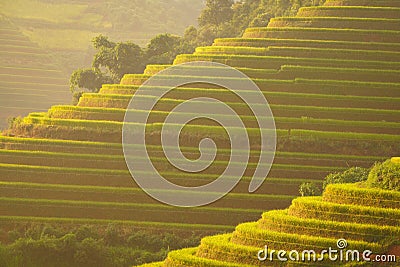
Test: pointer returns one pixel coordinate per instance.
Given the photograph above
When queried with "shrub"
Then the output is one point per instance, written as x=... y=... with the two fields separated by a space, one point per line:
x=352 y=175
x=309 y=189
x=385 y=175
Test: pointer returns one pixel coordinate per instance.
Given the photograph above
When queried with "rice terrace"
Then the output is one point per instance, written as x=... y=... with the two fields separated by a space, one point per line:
x=318 y=185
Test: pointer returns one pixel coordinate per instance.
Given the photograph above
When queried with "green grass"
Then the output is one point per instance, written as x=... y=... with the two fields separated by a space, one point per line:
x=250 y=235
x=4 y=220
x=120 y=190
x=349 y=11
x=67 y=112
x=356 y=194
x=274 y=98
x=275 y=62
x=280 y=221
x=83 y=147
x=62 y=170
x=298 y=85
x=292 y=72
x=334 y=44
x=132 y=195
x=336 y=22
x=68 y=39
x=187 y=257
x=315 y=208
x=379 y=3
x=128 y=211
x=301 y=52
x=52 y=12
x=250 y=121
x=323 y=34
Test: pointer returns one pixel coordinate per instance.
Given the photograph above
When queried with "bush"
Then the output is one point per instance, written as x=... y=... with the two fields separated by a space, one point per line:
x=385 y=175
x=352 y=175
x=309 y=189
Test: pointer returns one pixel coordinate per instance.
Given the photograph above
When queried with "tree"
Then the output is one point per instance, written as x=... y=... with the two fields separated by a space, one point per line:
x=216 y=12
x=163 y=48
x=117 y=59
x=85 y=79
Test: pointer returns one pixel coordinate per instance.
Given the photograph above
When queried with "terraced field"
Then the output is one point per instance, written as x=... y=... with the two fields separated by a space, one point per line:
x=333 y=85
x=29 y=81
x=368 y=219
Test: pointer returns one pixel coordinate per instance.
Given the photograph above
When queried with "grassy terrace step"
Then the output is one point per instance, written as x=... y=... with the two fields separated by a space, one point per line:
x=302 y=52
x=36 y=79
x=107 y=151
x=336 y=23
x=249 y=234
x=326 y=142
x=249 y=121
x=29 y=174
x=20 y=48
x=17 y=42
x=285 y=73
x=273 y=98
x=280 y=221
x=180 y=227
x=154 y=69
x=161 y=163
x=117 y=114
x=26 y=56
x=376 y=3
x=350 y=11
x=323 y=34
x=302 y=172
x=13 y=36
x=224 y=248
x=271 y=62
x=308 y=86
x=270 y=42
x=17 y=70
x=34 y=91
x=355 y=194
x=33 y=85
x=131 y=195
x=106 y=161
x=315 y=208
x=187 y=257
x=123 y=211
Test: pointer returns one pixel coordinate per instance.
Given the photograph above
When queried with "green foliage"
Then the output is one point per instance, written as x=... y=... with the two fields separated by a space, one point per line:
x=89 y=79
x=385 y=175
x=216 y=12
x=117 y=58
x=352 y=175
x=69 y=248
x=163 y=48
x=309 y=189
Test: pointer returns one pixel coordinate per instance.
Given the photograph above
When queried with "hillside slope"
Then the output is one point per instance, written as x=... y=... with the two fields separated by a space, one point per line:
x=29 y=79
x=330 y=75
x=347 y=217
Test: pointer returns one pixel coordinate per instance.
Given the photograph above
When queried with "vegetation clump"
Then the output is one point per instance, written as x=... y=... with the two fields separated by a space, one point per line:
x=352 y=175
x=385 y=175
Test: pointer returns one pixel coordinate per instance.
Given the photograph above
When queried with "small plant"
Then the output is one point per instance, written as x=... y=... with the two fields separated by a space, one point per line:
x=352 y=175
x=309 y=189
x=385 y=175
